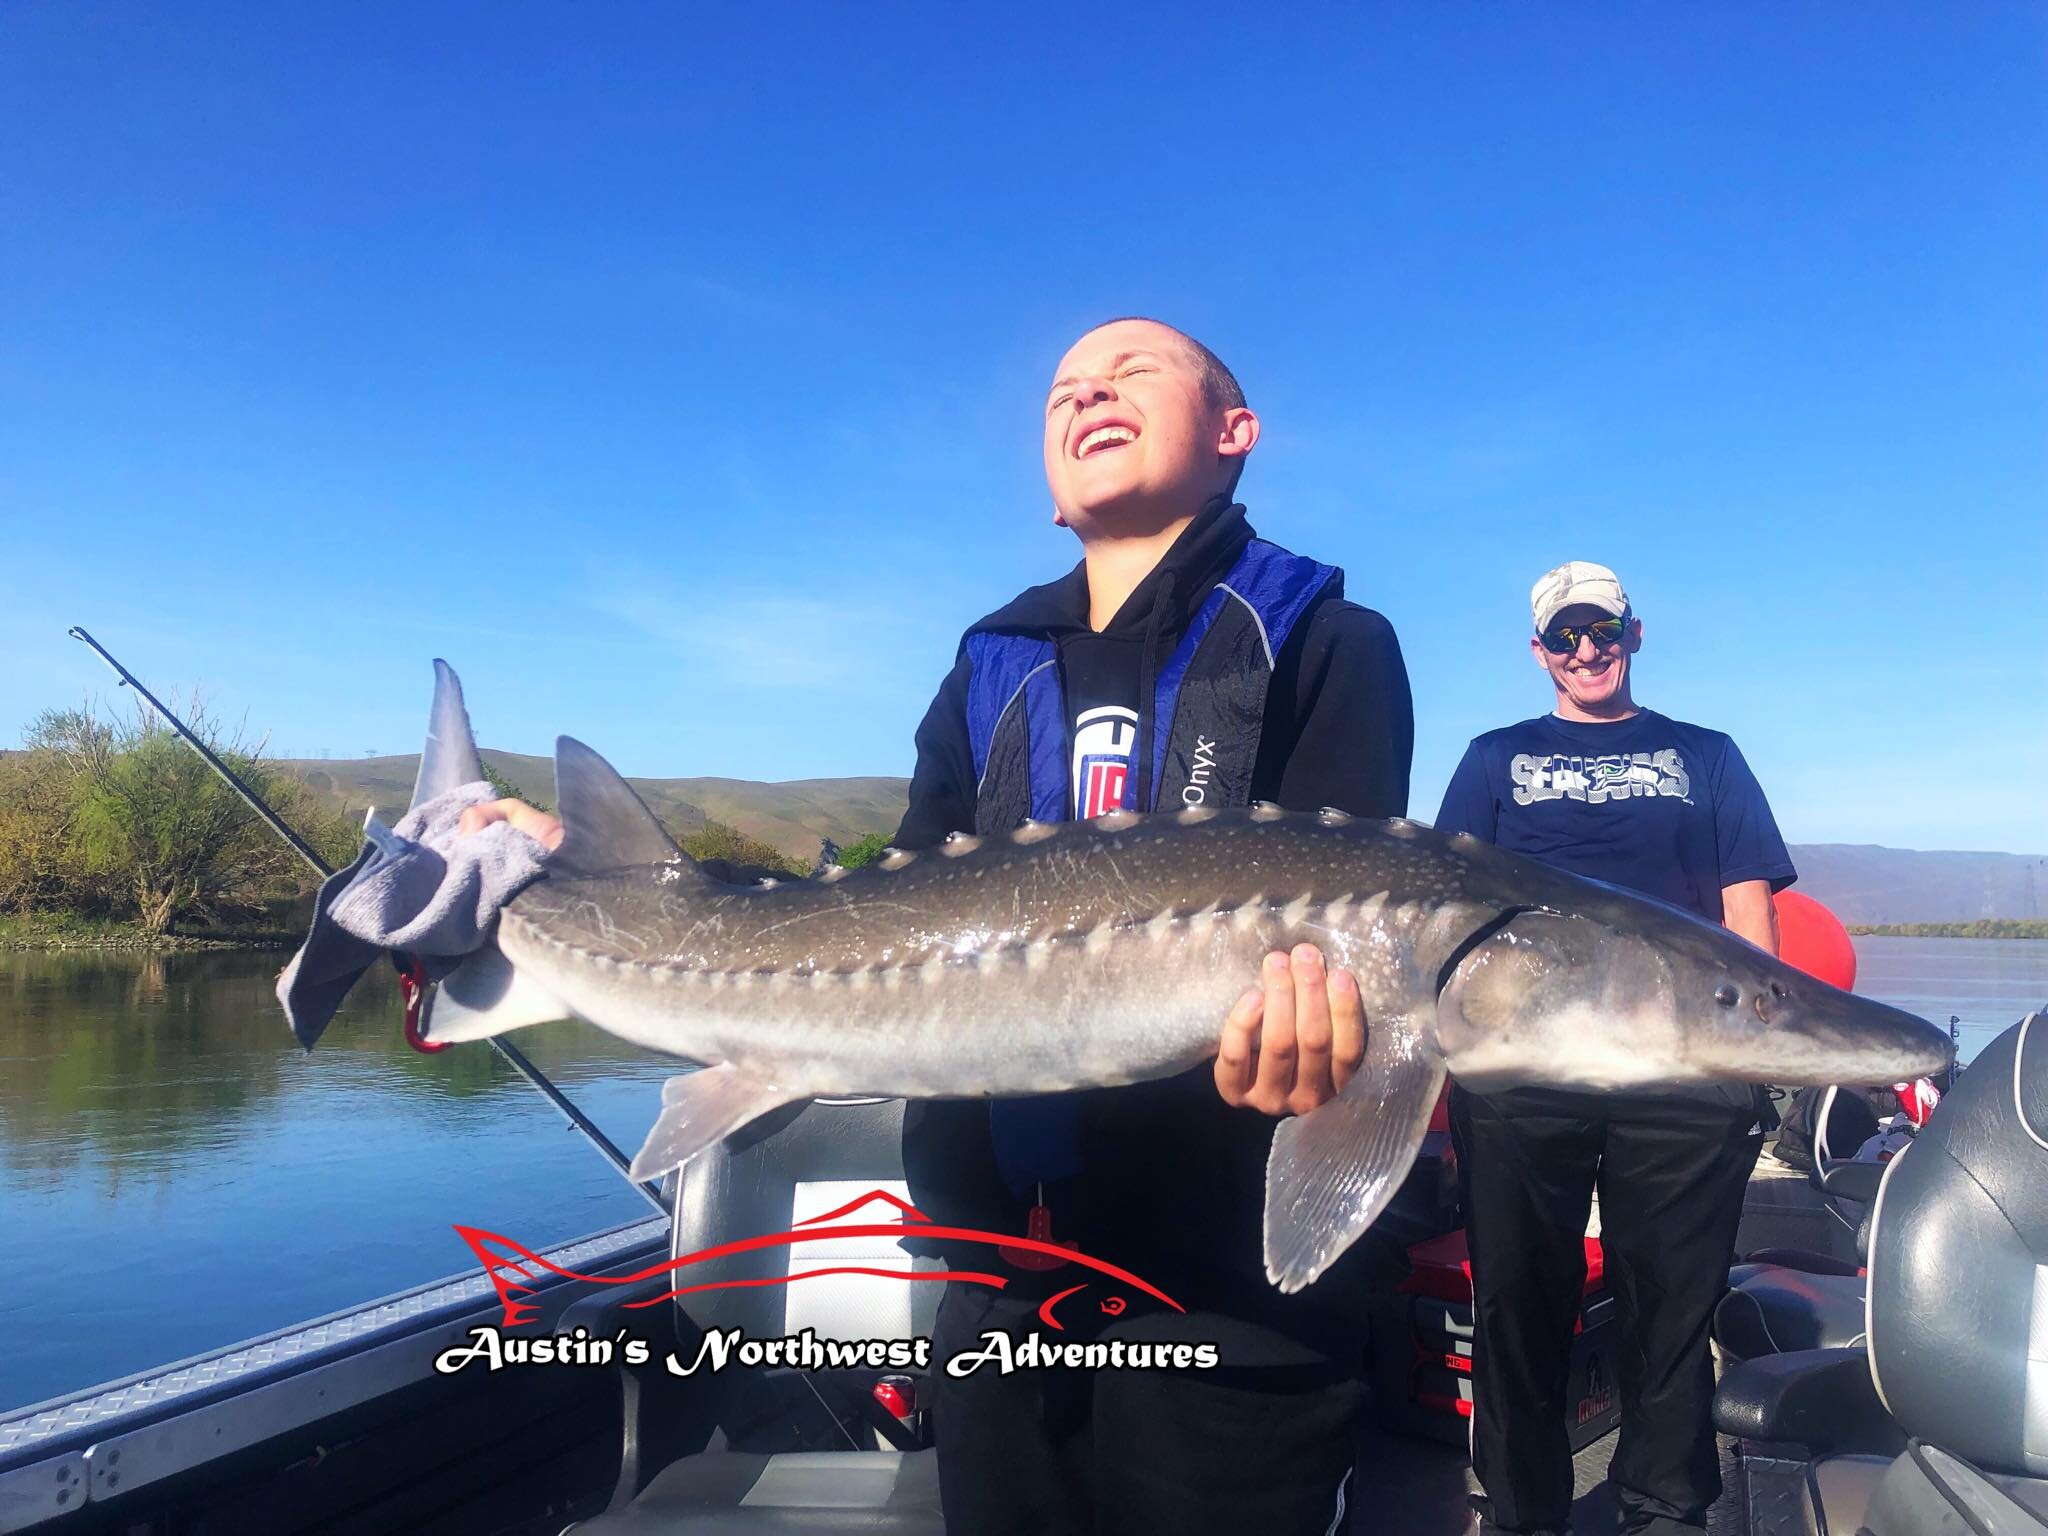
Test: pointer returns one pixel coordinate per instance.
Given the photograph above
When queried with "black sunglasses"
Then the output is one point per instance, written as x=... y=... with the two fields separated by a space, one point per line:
x=1563 y=639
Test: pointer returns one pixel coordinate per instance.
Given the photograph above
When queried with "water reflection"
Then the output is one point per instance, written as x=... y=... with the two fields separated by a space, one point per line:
x=139 y=1058
x=178 y=1174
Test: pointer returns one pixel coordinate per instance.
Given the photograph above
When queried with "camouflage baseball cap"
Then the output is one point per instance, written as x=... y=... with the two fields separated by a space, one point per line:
x=1576 y=581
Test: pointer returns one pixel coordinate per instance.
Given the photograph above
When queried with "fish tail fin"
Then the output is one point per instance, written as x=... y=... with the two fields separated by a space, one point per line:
x=1333 y=1170
x=605 y=827
x=449 y=759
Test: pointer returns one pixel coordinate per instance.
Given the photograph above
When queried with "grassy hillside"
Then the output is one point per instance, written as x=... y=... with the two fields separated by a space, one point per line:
x=1865 y=883
x=791 y=816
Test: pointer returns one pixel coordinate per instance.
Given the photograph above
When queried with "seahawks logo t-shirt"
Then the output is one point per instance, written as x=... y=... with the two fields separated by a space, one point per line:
x=1650 y=803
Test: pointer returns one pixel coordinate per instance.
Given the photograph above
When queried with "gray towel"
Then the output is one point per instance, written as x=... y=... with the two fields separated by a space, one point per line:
x=417 y=889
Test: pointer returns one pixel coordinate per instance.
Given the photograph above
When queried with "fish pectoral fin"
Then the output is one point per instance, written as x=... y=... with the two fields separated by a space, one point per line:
x=1333 y=1170
x=484 y=996
x=700 y=1108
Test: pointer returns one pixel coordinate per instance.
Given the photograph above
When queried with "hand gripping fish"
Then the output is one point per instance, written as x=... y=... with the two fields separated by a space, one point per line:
x=1077 y=955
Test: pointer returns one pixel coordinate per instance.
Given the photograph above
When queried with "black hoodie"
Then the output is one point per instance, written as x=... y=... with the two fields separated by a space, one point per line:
x=1174 y=1183
x=1339 y=727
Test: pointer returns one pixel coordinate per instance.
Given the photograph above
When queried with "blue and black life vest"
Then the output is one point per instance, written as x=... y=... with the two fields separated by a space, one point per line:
x=1207 y=708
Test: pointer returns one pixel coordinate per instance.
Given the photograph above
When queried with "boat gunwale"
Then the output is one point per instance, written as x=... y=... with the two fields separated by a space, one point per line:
x=38 y=1433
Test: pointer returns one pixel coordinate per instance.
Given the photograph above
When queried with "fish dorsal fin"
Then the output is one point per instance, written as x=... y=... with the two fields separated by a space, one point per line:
x=604 y=824
x=449 y=758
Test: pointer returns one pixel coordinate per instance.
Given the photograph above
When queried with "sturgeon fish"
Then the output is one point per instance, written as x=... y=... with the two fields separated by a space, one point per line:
x=1072 y=955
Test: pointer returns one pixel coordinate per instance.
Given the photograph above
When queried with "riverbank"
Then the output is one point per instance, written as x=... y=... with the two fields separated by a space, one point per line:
x=68 y=930
x=1982 y=928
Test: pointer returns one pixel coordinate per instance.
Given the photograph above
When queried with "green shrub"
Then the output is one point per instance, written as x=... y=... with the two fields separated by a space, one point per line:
x=864 y=850
x=716 y=840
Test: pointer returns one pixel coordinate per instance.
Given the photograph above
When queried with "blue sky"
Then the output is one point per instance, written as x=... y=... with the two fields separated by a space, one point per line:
x=676 y=372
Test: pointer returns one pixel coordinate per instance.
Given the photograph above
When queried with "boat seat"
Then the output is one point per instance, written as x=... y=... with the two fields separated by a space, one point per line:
x=1771 y=1309
x=1956 y=1355
x=1928 y=1492
x=1806 y=1260
x=787 y=1169
x=830 y=1492
x=1783 y=1299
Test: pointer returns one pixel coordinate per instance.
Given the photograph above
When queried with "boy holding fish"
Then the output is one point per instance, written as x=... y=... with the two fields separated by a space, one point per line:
x=1182 y=663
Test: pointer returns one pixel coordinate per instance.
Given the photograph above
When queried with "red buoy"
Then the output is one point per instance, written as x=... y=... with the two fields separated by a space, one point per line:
x=1812 y=939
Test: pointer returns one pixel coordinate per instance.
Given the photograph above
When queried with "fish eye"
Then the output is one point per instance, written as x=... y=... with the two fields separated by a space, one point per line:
x=1776 y=990
x=1726 y=995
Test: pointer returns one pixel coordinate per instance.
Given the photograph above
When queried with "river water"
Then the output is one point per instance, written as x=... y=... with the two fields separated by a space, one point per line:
x=176 y=1175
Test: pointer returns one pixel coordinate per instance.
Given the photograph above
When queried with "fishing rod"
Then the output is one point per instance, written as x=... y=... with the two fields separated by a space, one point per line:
x=249 y=796
x=511 y=1053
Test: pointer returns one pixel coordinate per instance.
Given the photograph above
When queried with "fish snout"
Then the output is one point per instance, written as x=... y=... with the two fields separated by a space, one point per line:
x=1812 y=1033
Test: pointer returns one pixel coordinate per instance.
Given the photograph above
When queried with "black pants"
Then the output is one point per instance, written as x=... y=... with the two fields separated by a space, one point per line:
x=1062 y=1452
x=1671 y=1176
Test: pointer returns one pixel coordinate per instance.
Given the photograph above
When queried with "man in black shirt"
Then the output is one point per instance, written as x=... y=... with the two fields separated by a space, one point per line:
x=1183 y=662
